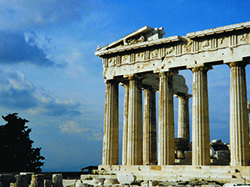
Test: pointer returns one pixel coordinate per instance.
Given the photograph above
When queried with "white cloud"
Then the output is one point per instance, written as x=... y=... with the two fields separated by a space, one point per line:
x=27 y=14
x=17 y=93
x=71 y=127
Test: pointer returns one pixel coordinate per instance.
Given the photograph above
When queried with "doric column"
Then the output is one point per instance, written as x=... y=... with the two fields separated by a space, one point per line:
x=22 y=180
x=37 y=180
x=149 y=126
x=183 y=116
x=166 y=155
x=125 y=123
x=134 y=146
x=200 y=118
x=111 y=127
x=239 y=127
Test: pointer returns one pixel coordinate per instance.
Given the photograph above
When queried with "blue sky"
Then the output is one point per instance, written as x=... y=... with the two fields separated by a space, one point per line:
x=50 y=75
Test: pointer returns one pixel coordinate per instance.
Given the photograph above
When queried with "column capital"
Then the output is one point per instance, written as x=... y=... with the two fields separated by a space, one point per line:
x=168 y=73
x=111 y=81
x=184 y=96
x=201 y=68
x=148 y=87
x=136 y=76
x=237 y=64
x=124 y=82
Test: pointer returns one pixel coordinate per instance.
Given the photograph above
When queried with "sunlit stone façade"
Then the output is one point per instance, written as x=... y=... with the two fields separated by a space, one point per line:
x=144 y=60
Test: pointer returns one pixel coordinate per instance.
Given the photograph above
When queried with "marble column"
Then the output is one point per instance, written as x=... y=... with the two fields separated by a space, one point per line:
x=135 y=131
x=239 y=125
x=37 y=180
x=183 y=116
x=166 y=147
x=200 y=118
x=111 y=127
x=125 y=123
x=149 y=126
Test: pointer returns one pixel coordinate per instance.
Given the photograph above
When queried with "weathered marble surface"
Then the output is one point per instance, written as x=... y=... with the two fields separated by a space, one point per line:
x=126 y=178
x=220 y=45
x=144 y=59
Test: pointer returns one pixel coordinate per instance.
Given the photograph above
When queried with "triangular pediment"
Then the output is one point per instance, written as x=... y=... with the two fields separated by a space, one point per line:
x=143 y=34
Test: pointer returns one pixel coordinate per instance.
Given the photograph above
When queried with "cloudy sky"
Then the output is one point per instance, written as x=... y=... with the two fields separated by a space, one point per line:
x=50 y=75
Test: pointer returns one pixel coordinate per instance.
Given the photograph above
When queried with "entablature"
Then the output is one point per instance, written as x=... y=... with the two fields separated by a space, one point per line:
x=145 y=51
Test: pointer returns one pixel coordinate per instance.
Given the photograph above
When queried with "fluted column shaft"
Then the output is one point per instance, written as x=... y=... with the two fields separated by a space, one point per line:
x=239 y=125
x=134 y=146
x=200 y=118
x=125 y=124
x=183 y=116
x=166 y=155
x=149 y=127
x=111 y=126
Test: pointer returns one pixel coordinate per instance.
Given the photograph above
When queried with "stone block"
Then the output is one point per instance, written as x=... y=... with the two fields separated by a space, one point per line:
x=47 y=183
x=111 y=181
x=97 y=181
x=126 y=178
x=188 y=155
x=22 y=180
x=78 y=183
x=57 y=180
x=37 y=180
x=81 y=183
x=179 y=154
x=222 y=154
x=149 y=183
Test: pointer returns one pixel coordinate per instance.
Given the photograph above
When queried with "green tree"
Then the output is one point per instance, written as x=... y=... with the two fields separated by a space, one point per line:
x=16 y=152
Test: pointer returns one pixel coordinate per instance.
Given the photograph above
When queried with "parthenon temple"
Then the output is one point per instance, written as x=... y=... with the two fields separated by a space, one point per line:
x=146 y=62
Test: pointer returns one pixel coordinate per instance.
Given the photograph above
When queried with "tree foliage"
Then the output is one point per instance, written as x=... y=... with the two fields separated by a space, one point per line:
x=16 y=152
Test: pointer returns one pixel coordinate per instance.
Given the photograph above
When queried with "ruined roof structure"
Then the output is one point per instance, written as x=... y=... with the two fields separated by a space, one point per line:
x=146 y=62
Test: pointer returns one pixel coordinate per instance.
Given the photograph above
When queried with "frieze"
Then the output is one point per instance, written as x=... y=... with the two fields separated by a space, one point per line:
x=147 y=55
x=105 y=62
x=170 y=50
x=223 y=42
x=175 y=52
x=125 y=59
x=132 y=58
x=162 y=52
x=118 y=60
x=243 y=38
x=178 y=49
x=233 y=40
x=214 y=43
x=154 y=54
x=188 y=46
x=205 y=45
x=140 y=56
x=196 y=46
x=111 y=61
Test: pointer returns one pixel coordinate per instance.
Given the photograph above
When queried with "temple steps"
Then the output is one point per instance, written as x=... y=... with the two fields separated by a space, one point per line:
x=181 y=172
